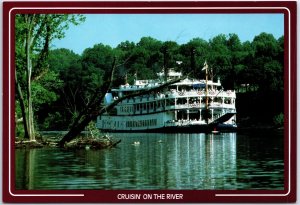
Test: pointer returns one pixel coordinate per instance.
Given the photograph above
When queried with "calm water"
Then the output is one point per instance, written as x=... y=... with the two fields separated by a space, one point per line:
x=160 y=161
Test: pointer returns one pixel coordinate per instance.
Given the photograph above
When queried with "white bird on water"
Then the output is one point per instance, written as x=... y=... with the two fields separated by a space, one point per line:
x=136 y=143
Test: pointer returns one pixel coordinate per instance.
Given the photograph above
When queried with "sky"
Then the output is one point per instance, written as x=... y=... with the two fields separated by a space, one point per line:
x=112 y=29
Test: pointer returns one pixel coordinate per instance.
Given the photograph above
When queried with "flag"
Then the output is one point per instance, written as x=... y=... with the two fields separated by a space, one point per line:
x=205 y=66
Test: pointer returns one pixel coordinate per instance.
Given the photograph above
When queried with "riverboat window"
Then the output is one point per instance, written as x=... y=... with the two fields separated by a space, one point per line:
x=158 y=104
x=218 y=99
x=192 y=100
x=181 y=101
x=227 y=101
x=173 y=87
x=172 y=101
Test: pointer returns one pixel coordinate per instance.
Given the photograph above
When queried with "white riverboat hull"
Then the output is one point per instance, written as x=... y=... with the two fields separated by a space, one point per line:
x=161 y=122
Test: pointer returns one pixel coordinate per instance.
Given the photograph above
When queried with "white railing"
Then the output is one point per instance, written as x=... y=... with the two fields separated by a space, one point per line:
x=202 y=93
x=202 y=105
x=181 y=94
x=184 y=122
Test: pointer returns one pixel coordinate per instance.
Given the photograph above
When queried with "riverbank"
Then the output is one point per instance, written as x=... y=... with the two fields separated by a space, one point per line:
x=82 y=142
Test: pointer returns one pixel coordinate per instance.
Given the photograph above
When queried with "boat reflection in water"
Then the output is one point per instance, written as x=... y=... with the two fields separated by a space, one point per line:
x=157 y=161
x=172 y=161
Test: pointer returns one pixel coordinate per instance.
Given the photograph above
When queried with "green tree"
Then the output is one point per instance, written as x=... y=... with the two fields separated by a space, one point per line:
x=219 y=58
x=246 y=78
x=62 y=58
x=145 y=59
x=199 y=48
x=33 y=34
x=84 y=77
x=236 y=60
x=267 y=63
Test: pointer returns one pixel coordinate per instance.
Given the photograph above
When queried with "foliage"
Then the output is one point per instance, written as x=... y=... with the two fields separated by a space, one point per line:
x=33 y=35
x=279 y=120
x=68 y=82
x=51 y=121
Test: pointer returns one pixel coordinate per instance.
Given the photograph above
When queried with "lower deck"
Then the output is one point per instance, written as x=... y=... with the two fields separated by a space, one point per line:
x=181 y=129
x=168 y=121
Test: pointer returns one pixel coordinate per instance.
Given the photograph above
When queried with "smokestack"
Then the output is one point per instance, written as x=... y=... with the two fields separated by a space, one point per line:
x=165 y=54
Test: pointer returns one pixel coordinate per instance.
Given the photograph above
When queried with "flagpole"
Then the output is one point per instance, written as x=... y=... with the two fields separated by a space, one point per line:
x=206 y=86
x=206 y=91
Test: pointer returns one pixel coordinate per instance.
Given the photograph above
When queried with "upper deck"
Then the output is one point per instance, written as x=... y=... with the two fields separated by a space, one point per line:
x=185 y=88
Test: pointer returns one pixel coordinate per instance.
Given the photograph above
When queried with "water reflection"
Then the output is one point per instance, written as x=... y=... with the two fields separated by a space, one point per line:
x=158 y=161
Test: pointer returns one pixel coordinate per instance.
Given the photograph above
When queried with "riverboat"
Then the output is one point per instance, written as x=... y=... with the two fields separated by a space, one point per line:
x=188 y=106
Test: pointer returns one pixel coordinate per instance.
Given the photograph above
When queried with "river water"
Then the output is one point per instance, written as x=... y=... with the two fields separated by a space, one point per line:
x=227 y=161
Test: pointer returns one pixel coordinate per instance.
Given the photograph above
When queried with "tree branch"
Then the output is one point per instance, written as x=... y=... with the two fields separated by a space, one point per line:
x=97 y=109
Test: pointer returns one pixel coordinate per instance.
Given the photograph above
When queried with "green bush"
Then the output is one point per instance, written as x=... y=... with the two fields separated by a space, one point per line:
x=20 y=133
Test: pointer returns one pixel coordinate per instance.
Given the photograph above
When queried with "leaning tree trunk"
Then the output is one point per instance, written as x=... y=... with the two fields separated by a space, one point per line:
x=95 y=109
x=91 y=110
x=76 y=130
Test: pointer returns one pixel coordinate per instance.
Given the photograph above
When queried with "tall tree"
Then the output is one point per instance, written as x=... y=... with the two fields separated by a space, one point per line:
x=82 y=79
x=219 y=58
x=34 y=32
x=199 y=48
x=267 y=62
x=236 y=58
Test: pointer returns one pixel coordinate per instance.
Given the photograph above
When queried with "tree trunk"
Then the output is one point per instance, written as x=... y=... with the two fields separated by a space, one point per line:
x=95 y=109
x=22 y=105
x=31 y=133
x=76 y=130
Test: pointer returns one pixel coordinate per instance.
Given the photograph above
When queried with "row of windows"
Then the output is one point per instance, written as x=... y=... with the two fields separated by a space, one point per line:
x=136 y=123
x=144 y=106
x=111 y=123
x=142 y=123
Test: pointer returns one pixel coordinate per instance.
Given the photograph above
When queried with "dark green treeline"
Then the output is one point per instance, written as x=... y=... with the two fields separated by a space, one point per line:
x=254 y=69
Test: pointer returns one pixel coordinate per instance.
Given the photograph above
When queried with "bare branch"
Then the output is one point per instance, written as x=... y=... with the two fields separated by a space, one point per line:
x=97 y=109
x=158 y=88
